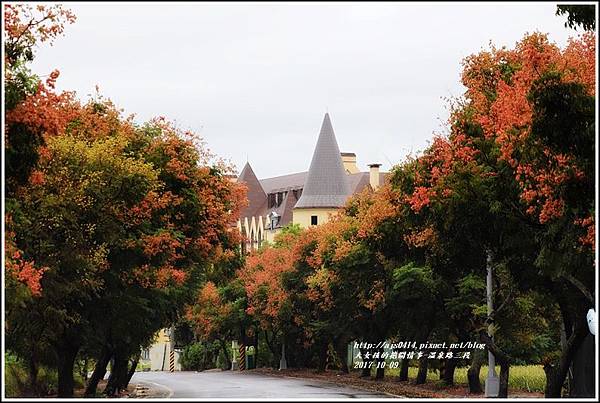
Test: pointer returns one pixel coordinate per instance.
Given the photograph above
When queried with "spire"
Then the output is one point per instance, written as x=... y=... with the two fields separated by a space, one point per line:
x=256 y=195
x=326 y=184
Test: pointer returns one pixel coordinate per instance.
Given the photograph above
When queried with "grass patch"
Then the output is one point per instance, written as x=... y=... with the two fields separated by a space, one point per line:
x=530 y=378
x=143 y=366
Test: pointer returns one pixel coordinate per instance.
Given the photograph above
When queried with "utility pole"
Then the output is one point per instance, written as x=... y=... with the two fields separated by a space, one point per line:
x=492 y=383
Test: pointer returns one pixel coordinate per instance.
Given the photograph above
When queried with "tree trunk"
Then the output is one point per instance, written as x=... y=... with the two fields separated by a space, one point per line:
x=118 y=372
x=271 y=346
x=66 y=364
x=553 y=384
x=132 y=369
x=99 y=372
x=341 y=350
x=322 y=357
x=380 y=372
x=403 y=375
x=473 y=373
x=448 y=373
x=441 y=368
x=256 y=334
x=226 y=354
x=123 y=376
x=422 y=374
x=32 y=372
x=503 y=390
x=556 y=374
x=366 y=369
x=423 y=363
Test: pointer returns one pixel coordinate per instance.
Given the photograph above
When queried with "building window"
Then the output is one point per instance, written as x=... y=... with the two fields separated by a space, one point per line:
x=279 y=198
x=313 y=220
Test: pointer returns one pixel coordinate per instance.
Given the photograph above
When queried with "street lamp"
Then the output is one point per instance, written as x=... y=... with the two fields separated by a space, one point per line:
x=492 y=383
x=234 y=363
x=282 y=361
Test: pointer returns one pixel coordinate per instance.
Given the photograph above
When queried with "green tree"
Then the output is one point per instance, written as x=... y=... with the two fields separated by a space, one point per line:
x=583 y=15
x=68 y=222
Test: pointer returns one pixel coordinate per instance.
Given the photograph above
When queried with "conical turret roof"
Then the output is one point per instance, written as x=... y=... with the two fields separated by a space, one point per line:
x=256 y=194
x=326 y=184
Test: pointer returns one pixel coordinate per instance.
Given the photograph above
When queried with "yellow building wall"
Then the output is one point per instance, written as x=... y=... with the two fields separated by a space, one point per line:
x=302 y=215
x=162 y=336
x=349 y=163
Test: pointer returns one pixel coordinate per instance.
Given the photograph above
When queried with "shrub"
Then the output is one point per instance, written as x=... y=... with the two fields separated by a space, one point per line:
x=200 y=356
x=16 y=379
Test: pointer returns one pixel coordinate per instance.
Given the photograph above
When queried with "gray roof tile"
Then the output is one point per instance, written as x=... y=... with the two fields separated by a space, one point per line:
x=326 y=184
x=284 y=182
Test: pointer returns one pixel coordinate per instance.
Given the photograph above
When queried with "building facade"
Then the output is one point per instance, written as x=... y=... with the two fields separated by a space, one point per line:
x=304 y=198
x=161 y=355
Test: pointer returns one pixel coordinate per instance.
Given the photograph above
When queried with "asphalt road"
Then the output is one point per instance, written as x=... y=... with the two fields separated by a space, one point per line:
x=228 y=384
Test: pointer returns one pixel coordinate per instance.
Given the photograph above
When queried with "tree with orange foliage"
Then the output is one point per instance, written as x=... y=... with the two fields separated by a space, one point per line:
x=109 y=222
x=33 y=109
x=136 y=216
x=24 y=27
x=515 y=178
x=329 y=284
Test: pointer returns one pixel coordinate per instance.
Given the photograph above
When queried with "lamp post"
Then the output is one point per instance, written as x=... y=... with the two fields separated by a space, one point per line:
x=492 y=383
x=234 y=362
x=282 y=361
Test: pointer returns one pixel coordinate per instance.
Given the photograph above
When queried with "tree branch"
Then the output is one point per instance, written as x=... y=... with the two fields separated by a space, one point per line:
x=579 y=285
x=508 y=299
x=501 y=356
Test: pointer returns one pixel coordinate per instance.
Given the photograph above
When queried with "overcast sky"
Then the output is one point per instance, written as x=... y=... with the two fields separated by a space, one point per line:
x=254 y=80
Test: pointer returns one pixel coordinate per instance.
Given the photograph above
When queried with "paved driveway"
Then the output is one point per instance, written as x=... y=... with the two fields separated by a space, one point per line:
x=236 y=385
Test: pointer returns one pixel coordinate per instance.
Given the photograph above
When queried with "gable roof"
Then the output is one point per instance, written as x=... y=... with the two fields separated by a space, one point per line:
x=326 y=184
x=358 y=181
x=256 y=194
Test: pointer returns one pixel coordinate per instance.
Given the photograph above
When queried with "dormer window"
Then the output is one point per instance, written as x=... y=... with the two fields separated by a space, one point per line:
x=273 y=219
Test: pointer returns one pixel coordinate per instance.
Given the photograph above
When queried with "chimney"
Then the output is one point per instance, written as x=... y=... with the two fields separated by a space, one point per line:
x=374 y=175
x=349 y=162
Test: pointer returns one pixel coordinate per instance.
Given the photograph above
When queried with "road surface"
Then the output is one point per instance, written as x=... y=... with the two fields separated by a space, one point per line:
x=228 y=384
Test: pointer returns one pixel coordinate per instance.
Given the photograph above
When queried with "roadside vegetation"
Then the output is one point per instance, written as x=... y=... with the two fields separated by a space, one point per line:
x=530 y=378
x=117 y=229
x=110 y=224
